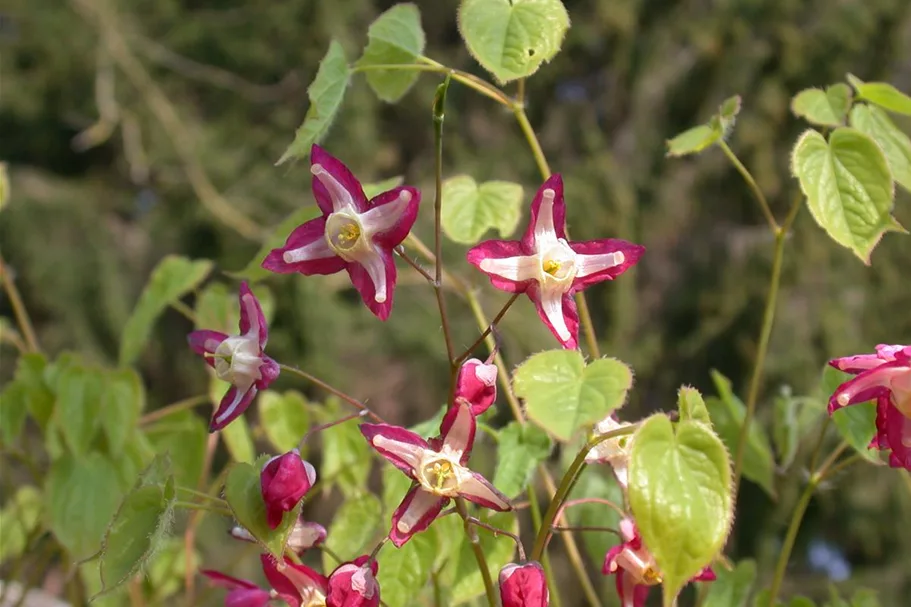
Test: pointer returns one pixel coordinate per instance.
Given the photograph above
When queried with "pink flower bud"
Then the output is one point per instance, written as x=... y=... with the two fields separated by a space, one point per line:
x=285 y=479
x=354 y=584
x=523 y=586
x=477 y=383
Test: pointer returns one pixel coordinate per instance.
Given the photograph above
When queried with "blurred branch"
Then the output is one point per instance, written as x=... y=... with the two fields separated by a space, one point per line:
x=106 y=101
x=25 y=323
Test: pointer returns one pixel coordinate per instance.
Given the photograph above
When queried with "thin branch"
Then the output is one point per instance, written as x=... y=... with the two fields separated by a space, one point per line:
x=400 y=251
x=19 y=311
x=478 y=553
x=181 y=405
x=348 y=399
x=439 y=114
x=496 y=320
x=754 y=187
x=498 y=532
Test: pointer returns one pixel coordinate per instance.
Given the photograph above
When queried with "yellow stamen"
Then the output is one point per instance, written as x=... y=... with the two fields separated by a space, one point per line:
x=349 y=233
x=551 y=267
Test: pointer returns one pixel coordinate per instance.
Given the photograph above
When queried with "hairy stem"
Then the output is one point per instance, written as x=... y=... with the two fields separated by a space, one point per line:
x=328 y=388
x=754 y=187
x=475 y=542
x=493 y=324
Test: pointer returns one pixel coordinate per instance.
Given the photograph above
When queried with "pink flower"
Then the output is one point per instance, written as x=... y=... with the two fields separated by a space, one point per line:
x=614 y=451
x=477 y=383
x=354 y=584
x=241 y=593
x=437 y=466
x=635 y=567
x=304 y=536
x=524 y=586
x=297 y=585
x=284 y=480
x=549 y=269
x=353 y=234
x=238 y=359
x=886 y=377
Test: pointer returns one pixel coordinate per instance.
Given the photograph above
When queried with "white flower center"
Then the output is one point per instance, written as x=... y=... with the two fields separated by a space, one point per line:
x=558 y=265
x=440 y=474
x=345 y=235
x=237 y=361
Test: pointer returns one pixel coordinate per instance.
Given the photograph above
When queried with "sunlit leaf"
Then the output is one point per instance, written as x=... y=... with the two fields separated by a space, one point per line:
x=895 y=144
x=732 y=588
x=882 y=94
x=395 y=38
x=405 y=572
x=521 y=447
x=823 y=107
x=284 y=417
x=353 y=527
x=693 y=140
x=470 y=210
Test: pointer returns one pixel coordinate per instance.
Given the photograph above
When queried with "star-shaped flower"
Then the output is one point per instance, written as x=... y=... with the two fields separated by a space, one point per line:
x=353 y=233
x=547 y=268
x=886 y=377
x=439 y=468
x=238 y=359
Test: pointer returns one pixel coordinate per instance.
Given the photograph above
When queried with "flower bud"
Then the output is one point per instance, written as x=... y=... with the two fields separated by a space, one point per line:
x=285 y=479
x=477 y=383
x=354 y=584
x=523 y=586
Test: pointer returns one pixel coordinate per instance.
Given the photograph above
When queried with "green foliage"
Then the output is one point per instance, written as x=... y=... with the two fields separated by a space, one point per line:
x=825 y=108
x=171 y=279
x=692 y=141
x=239 y=440
x=19 y=518
x=680 y=495
x=4 y=186
x=562 y=394
x=461 y=576
x=470 y=210
x=794 y=418
x=326 y=93
x=519 y=451
x=512 y=38
x=691 y=405
x=346 y=455
x=882 y=94
x=395 y=38
x=848 y=186
x=122 y=401
x=254 y=270
x=285 y=418
x=77 y=413
x=353 y=526
x=732 y=588
x=182 y=435
x=857 y=423
x=403 y=572
x=895 y=144
x=167 y=567
x=596 y=482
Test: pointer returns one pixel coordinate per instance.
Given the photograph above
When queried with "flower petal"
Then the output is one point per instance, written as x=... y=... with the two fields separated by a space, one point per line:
x=418 y=509
x=206 y=342
x=477 y=383
x=293 y=581
x=269 y=371
x=252 y=320
x=558 y=311
x=305 y=252
x=232 y=405
x=706 y=575
x=403 y=448
x=248 y=597
x=226 y=581
x=374 y=275
x=898 y=435
x=868 y=384
x=547 y=223
x=490 y=254
x=604 y=259
x=458 y=430
x=477 y=489
x=334 y=186
x=523 y=585
x=392 y=215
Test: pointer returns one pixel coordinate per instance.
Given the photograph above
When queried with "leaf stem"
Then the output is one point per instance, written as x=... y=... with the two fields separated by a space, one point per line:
x=328 y=388
x=181 y=405
x=754 y=187
x=475 y=542
x=19 y=310
x=496 y=531
x=483 y=336
x=439 y=114
x=545 y=559
x=400 y=251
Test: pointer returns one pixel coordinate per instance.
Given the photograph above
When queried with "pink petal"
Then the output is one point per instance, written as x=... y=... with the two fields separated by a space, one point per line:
x=206 y=342
x=477 y=383
x=856 y=364
x=343 y=177
x=269 y=371
x=284 y=481
x=252 y=320
x=609 y=565
x=292 y=580
x=631 y=594
x=499 y=249
x=881 y=439
x=570 y=317
x=706 y=575
x=232 y=406
x=401 y=447
x=523 y=586
x=893 y=352
x=555 y=183
x=868 y=384
x=248 y=597
x=458 y=429
x=479 y=490
x=394 y=232
x=317 y=258
x=353 y=584
x=898 y=435
x=590 y=271
x=362 y=281
x=418 y=509
x=226 y=581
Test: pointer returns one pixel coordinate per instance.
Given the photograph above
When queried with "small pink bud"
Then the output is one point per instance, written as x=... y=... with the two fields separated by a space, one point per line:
x=285 y=479
x=354 y=584
x=524 y=586
x=477 y=383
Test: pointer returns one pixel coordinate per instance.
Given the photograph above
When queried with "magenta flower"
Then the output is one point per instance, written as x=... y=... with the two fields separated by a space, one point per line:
x=547 y=268
x=284 y=480
x=297 y=585
x=437 y=466
x=238 y=359
x=304 y=536
x=524 y=586
x=354 y=584
x=477 y=383
x=635 y=567
x=353 y=234
x=886 y=377
x=241 y=593
x=613 y=451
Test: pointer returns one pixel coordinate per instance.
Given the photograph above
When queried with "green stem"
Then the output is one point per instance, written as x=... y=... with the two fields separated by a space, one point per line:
x=202 y=508
x=439 y=114
x=184 y=310
x=19 y=310
x=181 y=405
x=483 y=336
x=203 y=495
x=754 y=187
x=535 y=508
x=475 y=542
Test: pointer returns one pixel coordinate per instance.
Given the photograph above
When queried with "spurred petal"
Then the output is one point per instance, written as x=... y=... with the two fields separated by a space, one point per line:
x=605 y=259
x=334 y=186
x=477 y=489
x=269 y=372
x=706 y=575
x=294 y=584
x=496 y=250
x=523 y=586
x=392 y=215
x=477 y=383
x=232 y=405
x=418 y=509
x=548 y=216
x=305 y=252
x=226 y=581
x=252 y=320
x=374 y=278
x=458 y=430
x=631 y=594
x=241 y=593
x=206 y=342
x=284 y=481
x=518 y=269
x=869 y=384
x=306 y=535
x=353 y=584
x=558 y=311
x=401 y=447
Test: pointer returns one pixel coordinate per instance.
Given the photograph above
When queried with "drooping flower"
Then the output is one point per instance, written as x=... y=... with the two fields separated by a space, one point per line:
x=297 y=585
x=284 y=480
x=241 y=593
x=439 y=468
x=614 y=451
x=524 y=586
x=353 y=233
x=304 y=536
x=549 y=269
x=635 y=567
x=886 y=377
x=477 y=383
x=354 y=584
x=238 y=359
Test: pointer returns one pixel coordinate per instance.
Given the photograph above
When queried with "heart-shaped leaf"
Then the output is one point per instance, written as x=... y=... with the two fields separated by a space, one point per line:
x=693 y=140
x=470 y=210
x=395 y=38
x=520 y=448
x=825 y=108
x=882 y=94
x=895 y=144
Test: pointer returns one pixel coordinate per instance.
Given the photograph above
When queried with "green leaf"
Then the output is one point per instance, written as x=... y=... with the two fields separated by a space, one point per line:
x=693 y=140
x=864 y=597
x=395 y=38
x=13 y=412
x=372 y=190
x=79 y=406
x=793 y=418
x=519 y=451
x=562 y=394
x=692 y=406
x=19 y=517
x=895 y=144
x=882 y=94
x=167 y=567
x=140 y=525
x=431 y=425
x=762 y=599
x=395 y=486
x=353 y=527
x=346 y=455
x=404 y=572
x=461 y=575
x=326 y=93
x=512 y=38
x=254 y=271
x=469 y=210
x=856 y=423
x=848 y=186
x=729 y=109
x=825 y=108
x=732 y=588
x=680 y=495
x=284 y=417
x=184 y=436
x=30 y=370
x=173 y=278
x=801 y=601
x=81 y=497
x=122 y=402
x=727 y=413
x=239 y=440
x=244 y=496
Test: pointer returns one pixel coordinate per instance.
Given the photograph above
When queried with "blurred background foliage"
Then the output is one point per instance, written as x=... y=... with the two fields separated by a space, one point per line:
x=117 y=160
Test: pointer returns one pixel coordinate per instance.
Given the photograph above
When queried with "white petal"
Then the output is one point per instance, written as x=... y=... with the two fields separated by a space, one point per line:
x=318 y=249
x=231 y=408
x=545 y=234
x=552 y=303
x=373 y=262
x=410 y=453
x=420 y=504
x=590 y=264
x=252 y=316
x=341 y=198
x=381 y=218
x=523 y=267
